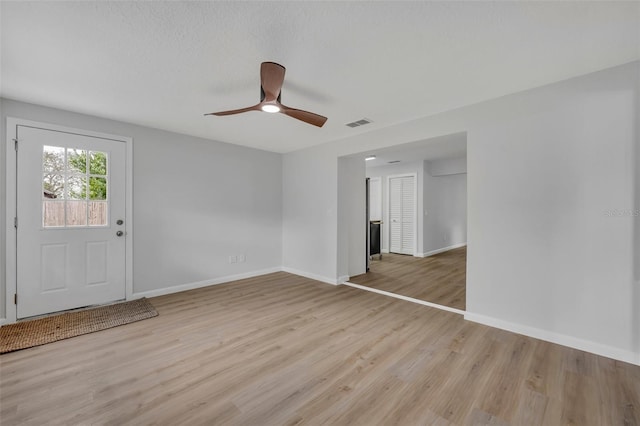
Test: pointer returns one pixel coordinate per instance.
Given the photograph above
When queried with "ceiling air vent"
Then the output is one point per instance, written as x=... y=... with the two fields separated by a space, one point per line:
x=394 y=161
x=358 y=123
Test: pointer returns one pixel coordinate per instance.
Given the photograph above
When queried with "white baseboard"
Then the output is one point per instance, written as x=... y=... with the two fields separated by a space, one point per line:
x=226 y=279
x=440 y=250
x=560 y=339
x=384 y=251
x=205 y=283
x=313 y=276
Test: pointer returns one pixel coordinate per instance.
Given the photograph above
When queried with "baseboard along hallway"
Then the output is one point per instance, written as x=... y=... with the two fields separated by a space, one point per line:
x=283 y=349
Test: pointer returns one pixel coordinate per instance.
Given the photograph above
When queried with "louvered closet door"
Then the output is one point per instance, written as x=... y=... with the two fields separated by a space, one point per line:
x=395 y=215
x=402 y=214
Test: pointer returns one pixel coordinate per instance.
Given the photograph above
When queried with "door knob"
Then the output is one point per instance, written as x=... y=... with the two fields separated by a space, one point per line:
x=119 y=233
x=119 y=222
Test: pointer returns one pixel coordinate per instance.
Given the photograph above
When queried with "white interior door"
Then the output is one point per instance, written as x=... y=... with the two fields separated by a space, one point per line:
x=71 y=230
x=402 y=212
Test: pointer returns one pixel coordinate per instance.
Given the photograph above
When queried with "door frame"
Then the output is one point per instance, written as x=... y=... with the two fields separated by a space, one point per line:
x=11 y=206
x=414 y=175
x=368 y=215
x=367 y=223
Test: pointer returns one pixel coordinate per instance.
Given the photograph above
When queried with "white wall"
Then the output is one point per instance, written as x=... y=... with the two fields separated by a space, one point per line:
x=545 y=253
x=383 y=172
x=196 y=202
x=352 y=218
x=3 y=209
x=445 y=204
x=309 y=215
x=447 y=166
x=543 y=166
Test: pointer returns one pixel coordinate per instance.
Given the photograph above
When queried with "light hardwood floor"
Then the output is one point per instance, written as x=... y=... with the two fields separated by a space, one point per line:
x=282 y=350
x=440 y=279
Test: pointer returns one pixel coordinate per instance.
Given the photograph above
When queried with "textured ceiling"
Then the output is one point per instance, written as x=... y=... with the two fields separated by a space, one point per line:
x=165 y=64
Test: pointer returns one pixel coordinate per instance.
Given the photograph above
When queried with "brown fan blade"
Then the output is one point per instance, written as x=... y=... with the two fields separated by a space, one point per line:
x=236 y=111
x=306 y=116
x=271 y=78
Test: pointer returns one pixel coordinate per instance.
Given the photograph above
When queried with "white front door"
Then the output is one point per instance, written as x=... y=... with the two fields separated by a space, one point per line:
x=402 y=211
x=71 y=221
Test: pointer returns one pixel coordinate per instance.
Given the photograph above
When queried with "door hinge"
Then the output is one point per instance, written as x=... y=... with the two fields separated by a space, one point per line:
x=15 y=222
x=15 y=144
x=15 y=298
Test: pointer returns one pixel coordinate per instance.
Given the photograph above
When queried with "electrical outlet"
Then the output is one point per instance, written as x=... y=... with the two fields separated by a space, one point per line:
x=241 y=258
x=233 y=259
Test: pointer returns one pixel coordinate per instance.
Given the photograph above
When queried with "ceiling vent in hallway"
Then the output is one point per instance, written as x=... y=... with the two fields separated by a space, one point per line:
x=358 y=123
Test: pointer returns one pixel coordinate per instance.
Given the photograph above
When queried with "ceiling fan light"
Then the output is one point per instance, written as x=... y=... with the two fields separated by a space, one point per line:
x=270 y=108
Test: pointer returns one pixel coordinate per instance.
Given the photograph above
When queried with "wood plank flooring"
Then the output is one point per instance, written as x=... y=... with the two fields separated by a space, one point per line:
x=284 y=350
x=440 y=279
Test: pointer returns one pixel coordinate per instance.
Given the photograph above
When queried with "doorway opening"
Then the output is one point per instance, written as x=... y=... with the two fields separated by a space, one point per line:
x=417 y=204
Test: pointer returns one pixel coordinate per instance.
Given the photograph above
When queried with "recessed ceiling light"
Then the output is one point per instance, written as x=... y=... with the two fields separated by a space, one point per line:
x=270 y=108
x=370 y=157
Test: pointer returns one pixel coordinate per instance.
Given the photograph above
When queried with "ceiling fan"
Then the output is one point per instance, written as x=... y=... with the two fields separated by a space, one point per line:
x=271 y=79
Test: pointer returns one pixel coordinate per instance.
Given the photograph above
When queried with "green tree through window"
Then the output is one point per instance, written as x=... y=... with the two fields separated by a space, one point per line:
x=77 y=160
x=76 y=173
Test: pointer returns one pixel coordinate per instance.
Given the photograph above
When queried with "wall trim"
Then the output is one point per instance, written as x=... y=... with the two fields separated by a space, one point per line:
x=204 y=283
x=440 y=250
x=332 y=281
x=221 y=280
x=536 y=333
x=406 y=298
x=384 y=250
x=343 y=279
x=560 y=339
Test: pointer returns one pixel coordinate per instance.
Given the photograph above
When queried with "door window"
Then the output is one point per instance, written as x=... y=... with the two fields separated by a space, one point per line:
x=75 y=187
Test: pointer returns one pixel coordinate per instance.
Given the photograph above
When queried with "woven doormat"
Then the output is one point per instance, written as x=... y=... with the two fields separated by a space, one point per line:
x=27 y=334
